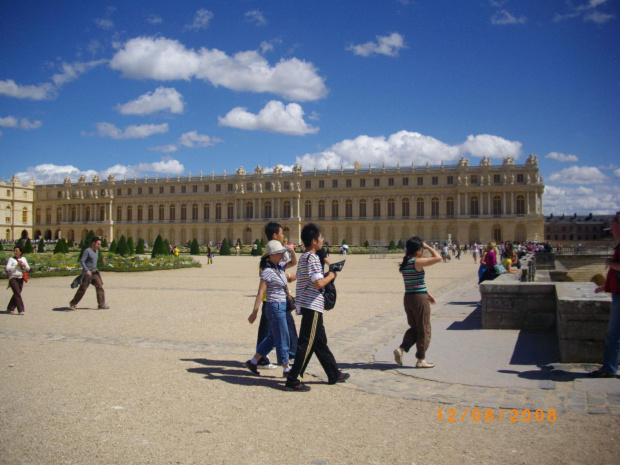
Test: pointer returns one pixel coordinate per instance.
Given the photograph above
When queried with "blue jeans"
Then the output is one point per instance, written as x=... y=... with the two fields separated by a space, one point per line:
x=612 y=342
x=278 y=335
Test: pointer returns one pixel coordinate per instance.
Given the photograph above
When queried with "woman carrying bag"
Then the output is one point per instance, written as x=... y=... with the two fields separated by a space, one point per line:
x=16 y=268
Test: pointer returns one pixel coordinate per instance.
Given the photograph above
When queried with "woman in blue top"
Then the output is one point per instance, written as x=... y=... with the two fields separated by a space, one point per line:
x=417 y=301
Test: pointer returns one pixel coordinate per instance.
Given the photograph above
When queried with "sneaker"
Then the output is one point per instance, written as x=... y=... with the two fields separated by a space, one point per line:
x=11 y=312
x=104 y=307
x=21 y=313
x=71 y=307
x=398 y=357
x=342 y=377
x=264 y=361
x=299 y=387
x=252 y=367
x=269 y=366
x=424 y=364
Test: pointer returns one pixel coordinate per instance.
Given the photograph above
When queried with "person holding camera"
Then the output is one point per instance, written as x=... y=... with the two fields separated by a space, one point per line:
x=15 y=268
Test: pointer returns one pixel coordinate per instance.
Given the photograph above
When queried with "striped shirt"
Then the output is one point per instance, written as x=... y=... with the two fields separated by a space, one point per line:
x=308 y=271
x=275 y=277
x=414 y=279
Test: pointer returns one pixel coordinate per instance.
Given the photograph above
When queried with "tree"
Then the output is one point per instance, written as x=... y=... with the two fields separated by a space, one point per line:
x=60 y=247
x=195 y=248
x=41 y=246
x=104 y=242
x=392 y=245
x=166 y=246
x=158 y=247
x=260 y=250
x=225 y=249
x=140 y=247
x=28 y=246
x=366 y=244
x=400 y=244
x=121 y=248
x=113 y=246
x=87 y=242
x=1 y=246
x=131 y=246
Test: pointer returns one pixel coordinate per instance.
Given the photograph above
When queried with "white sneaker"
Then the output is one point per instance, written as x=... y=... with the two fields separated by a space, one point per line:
x=270 y=366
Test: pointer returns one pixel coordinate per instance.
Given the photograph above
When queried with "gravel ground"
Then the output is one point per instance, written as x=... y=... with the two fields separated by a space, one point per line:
x=159 y=379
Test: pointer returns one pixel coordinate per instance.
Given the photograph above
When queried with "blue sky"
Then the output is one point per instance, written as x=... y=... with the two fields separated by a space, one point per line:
x=137 y=88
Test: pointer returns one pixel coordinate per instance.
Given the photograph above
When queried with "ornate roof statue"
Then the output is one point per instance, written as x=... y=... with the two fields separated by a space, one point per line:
x=297 y=169
x=259 y=171
x=277 y=170
x=111 y=177
x=240 y=171
x=96 y=178
x=532 y=159
x=508 y=161
x=67 y=181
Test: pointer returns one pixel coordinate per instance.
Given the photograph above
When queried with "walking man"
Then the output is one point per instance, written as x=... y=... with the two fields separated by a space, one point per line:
x=90 y=273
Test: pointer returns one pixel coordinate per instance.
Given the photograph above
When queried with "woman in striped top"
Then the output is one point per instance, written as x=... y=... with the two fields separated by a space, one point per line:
x=417 y=301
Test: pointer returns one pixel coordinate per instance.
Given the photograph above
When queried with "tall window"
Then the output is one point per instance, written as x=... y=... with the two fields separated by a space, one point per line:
x=48 y=215
x=161 y=213
x=230 y=210
x=218 y=211
x=308 y=209
x=420 y=207
x=321 y=209
x=267 y=209
x=391 y=208
x=140 y=214
x=450 y=206
x=25 y=215
x=173 y=212
x=520 y=205
x=206 y=212
x=129 y=213
x=102 y=213
x=37 y=215
x=434 y=207
x=249 y=210
x=74 y=213
x=376 y=208
x=286 y=209
x=497 y=205
x=183 y=212
x=119 y=213
x=334 y=209
x=58 y=215
x=195 y=211
x=348 y=208
x=474 y=205
x=405 y=205
x=497 y=233
x=363 y=208
x=151 y=213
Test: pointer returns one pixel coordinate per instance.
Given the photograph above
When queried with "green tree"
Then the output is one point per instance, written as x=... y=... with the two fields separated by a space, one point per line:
x=195 y=248
x=1 y=247
x=225 y=249
x=60 y=246
x=158 y=247
x=400 y=244
x=392 y=245
x=140 y=247
x=121 y=248
x=113 y=246
x=104 y=243
x=28 y=246
x=366 y=244
x=41 y=246
x=131 y=246
x=87 y=242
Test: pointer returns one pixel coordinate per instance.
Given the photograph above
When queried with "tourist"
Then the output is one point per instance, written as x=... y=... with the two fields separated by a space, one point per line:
x=474 y=252
x=311 y=305
x=489 y=259
x=273 y=285
x=90 y=273
x=510 y=259
x=417 y=301
x=612 y=285
x=444 y=252
x=16 y=266
x=209 y=255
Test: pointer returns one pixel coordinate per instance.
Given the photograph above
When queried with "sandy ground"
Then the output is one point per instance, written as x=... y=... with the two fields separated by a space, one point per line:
x=159 y=379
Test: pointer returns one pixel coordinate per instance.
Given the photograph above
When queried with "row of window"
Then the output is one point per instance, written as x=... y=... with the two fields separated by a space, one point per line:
x=149 y=213
x=9 y=216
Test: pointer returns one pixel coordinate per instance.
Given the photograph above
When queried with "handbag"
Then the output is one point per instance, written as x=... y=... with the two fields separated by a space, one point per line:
x=25 y=276
x=499 y=269
x=329 y=294
x=290 y=300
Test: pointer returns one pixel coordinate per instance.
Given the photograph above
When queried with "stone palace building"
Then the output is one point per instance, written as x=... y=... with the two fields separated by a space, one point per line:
x=462 y=202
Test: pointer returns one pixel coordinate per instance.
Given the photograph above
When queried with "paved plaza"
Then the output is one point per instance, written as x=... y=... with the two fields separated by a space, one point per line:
x=159 y=378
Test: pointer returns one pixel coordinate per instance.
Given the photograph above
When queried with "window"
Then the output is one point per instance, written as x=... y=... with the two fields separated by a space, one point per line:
x=363 y=208
x=334 y=209
x=420 y=207
x=322 y=209
x=118 y=191
x=435 y=180
x=161 y=189
x=139 y=191
x=474 y=179
x=183 y=189
x=420 y=181
x=249 y=210
x=520 y=177
x=474 y=205
x=349 y=183
x=267 y=209
x=205 y=211
x=268 y=186
x=308 y=209
x=450 y=180
x=218 y=188
x=391 y=182
x=218 y=211
x=405 y=181
x=450 y=206
x=194 y=189
x=287 y=185
x=391 y=205
x=129 y=213
x=362 y=183
x=497 y=205
x=129 y=190
x=140 y=213
x=38 y=215
x=150 y=190
x=497 y=234
x=24 y=215
x=520 y=210
x=8 y=193
x=161 y=213
x=321 y=184
x=348 y=208
x=286 y=209
x=376 y=208
x=48 y=215
x=334 y=183
x=119 y=213
x=248 y=187
x=496 y=179
x=183 y=212
x=405 y=207
x=435 y=207
x=230 y=210
x=377 y=182
x=206 y=188
x=308 y=184
x=59 y=195
x=173 y=189
x=173 y=213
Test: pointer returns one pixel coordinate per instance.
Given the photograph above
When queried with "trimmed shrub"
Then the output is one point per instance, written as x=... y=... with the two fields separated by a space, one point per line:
x=28 y=246
x=400 y=244
x=158 y=247
x=113 y=246
x=121 y=248
x=104 y=243
x=140 y=247
x=392 y=245
x=166 y=246
x=366 y=244
x=41 y=246
x=60 y=247
x=195 y=248
x=84 y=244
x=131 y=246
x=225 y=249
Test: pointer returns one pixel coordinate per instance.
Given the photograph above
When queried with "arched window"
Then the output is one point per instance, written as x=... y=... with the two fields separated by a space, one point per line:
x=8 y=214
x=218 y=213
x=173 y=214
x=420 y=207
x=206 y=212
x=391 y=213
x=405 y=206
x=102 y=213
x=195 y=214
x=497 y=233
x=376 y=209
x=308 y=209
x=129 y=213
x=249 y=210
x=435 y=207
x=322 y=209
x=520 y=205
x=151 y=213
x=267 y=209
x=497 y=205
x=450 y=206
x=25 y=215
x=474 y=205
x=48 y=216
x=37 y=215
x=286 y=209
x=183 y=212
x=140 y=213
x=348 y=209
x=119 y=213
x=334 y=209
x=162 y=214
x=59 y=215
x=363 y=208
x=230 y=211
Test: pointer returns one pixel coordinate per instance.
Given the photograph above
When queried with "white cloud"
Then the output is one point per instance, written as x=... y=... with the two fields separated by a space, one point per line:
x=578 y=175
x=165 y=148
x=165 y=59
x=598 y=17
x=617 y=173
x=504 y=17
x=130 y=132
x=201 y=20
x=40 y=92
x=49 y=173
x=193 y=139
x=562 y=157
x=70 y=72
x=404 y=148
x=385 y=45
x=162 y=99
x=604 y=200
x=154 y=19
x=589 y=12
x=275 y=117
x=20 y=123
x=104 y=24
x=257 y=17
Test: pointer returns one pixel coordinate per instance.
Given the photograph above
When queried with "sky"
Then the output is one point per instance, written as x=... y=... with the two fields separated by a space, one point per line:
x=139 y=88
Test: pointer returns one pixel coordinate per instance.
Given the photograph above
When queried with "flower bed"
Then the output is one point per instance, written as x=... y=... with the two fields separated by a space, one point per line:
x=68 y=265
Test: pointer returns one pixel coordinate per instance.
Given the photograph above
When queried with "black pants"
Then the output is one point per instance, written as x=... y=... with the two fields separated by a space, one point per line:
x=312 y=339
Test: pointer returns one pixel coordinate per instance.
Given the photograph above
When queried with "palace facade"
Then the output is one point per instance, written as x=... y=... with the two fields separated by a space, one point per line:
x=16 y=207
x=463 y=202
